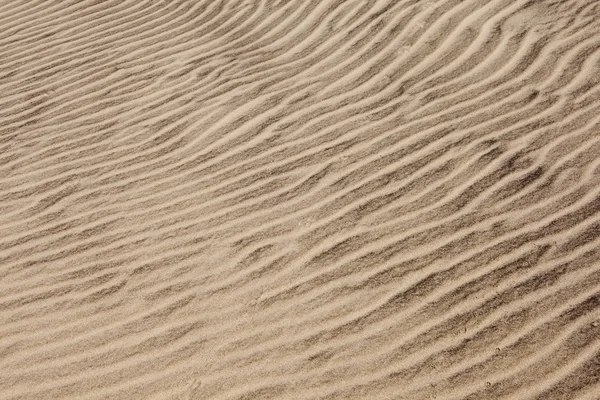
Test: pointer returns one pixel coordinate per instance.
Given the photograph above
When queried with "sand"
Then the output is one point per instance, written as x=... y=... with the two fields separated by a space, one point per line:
x=308 y=199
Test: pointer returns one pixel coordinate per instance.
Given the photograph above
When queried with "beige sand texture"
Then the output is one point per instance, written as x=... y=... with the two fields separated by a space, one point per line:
x=300 y=199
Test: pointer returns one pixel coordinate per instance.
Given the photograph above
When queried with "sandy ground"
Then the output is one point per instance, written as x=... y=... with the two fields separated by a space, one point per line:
x=300 y=199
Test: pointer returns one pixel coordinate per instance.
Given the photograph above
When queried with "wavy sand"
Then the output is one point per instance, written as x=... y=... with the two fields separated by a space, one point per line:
x=328 y=199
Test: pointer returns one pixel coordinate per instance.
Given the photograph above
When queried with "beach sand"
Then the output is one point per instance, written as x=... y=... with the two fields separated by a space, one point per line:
x=309 y=199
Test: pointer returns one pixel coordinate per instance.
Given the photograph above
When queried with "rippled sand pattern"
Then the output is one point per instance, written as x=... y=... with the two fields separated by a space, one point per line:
x=277 y=199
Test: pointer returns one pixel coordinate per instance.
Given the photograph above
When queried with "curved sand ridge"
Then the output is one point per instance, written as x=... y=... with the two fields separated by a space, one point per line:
x=319 y=199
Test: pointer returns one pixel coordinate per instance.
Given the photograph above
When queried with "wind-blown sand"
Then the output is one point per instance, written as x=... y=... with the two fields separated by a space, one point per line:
x=311 y=199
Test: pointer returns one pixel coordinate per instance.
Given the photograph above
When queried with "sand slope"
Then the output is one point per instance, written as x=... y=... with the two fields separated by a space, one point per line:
x=316 y=199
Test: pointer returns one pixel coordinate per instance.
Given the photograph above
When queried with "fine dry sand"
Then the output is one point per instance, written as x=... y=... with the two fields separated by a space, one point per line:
x=300 y=199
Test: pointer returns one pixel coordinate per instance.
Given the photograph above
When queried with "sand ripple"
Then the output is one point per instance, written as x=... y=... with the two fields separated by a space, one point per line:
x=311 y=199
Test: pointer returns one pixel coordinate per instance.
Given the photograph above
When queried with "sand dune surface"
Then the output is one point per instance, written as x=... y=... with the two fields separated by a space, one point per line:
x=308 y=199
